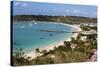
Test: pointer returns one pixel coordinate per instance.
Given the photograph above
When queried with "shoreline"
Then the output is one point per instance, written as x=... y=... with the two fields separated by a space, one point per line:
x=33 y=55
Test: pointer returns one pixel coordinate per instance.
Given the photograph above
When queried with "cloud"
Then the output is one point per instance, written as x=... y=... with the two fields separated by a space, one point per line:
x=16 y=3
x=20 y=4
x=72 y=11
x=24 y=4
x=76 y=11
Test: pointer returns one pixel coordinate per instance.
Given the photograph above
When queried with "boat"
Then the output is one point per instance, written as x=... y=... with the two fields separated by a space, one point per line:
x=34 y=22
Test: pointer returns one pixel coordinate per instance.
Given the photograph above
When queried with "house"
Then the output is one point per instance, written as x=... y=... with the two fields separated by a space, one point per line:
x=89 y=32
x=73 y=46
x=89 y=24
x=83 y=38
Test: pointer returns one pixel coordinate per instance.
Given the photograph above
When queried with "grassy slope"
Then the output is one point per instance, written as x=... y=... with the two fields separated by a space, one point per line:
x=67 y=19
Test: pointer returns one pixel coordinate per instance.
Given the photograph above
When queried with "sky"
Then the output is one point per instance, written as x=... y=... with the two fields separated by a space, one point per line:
x=53 y=9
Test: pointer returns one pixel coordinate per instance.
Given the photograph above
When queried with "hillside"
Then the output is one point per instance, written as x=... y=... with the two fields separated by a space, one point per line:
x=66 y=19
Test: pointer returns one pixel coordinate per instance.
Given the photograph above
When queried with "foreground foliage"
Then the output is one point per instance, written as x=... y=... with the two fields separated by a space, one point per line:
x=60 y=54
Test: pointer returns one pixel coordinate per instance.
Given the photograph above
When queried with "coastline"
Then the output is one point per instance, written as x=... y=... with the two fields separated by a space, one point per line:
x=32 y=54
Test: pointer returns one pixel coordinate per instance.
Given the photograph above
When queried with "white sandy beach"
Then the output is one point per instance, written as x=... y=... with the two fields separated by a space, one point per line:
x=51 y=46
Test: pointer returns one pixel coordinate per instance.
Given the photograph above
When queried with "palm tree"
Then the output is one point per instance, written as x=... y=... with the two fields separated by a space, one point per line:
x=44 y=52
x=67 y=43
x=37 y=50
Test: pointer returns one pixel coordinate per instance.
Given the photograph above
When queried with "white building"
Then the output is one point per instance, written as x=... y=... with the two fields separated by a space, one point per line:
x=83 y=38
x=89 y=32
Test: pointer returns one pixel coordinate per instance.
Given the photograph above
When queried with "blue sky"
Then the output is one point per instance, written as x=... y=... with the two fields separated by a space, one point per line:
x=37 y=8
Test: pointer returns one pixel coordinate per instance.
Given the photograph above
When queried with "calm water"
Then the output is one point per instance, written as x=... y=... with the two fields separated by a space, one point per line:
x=26 y=34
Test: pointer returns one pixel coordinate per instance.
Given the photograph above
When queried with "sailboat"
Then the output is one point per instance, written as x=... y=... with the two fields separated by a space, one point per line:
x=34 y=22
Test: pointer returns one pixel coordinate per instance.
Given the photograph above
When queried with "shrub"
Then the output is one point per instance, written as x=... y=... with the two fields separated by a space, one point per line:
x=19 y=58
x=43 y=60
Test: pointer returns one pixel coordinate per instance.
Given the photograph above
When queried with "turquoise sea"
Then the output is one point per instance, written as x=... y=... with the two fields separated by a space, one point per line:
x=27 y=34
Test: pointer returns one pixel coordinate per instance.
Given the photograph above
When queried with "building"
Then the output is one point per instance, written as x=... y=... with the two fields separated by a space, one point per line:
x=83 y=38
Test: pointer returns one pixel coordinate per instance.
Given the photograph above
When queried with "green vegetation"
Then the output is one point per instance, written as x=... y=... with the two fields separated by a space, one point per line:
x=66 y=19
x=37 y=50
x=88 y=28
x=60 y=54
x=19 y=58
x=42 y=60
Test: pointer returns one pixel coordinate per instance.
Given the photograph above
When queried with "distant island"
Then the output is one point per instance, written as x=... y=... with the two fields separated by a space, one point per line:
x=63 y=19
